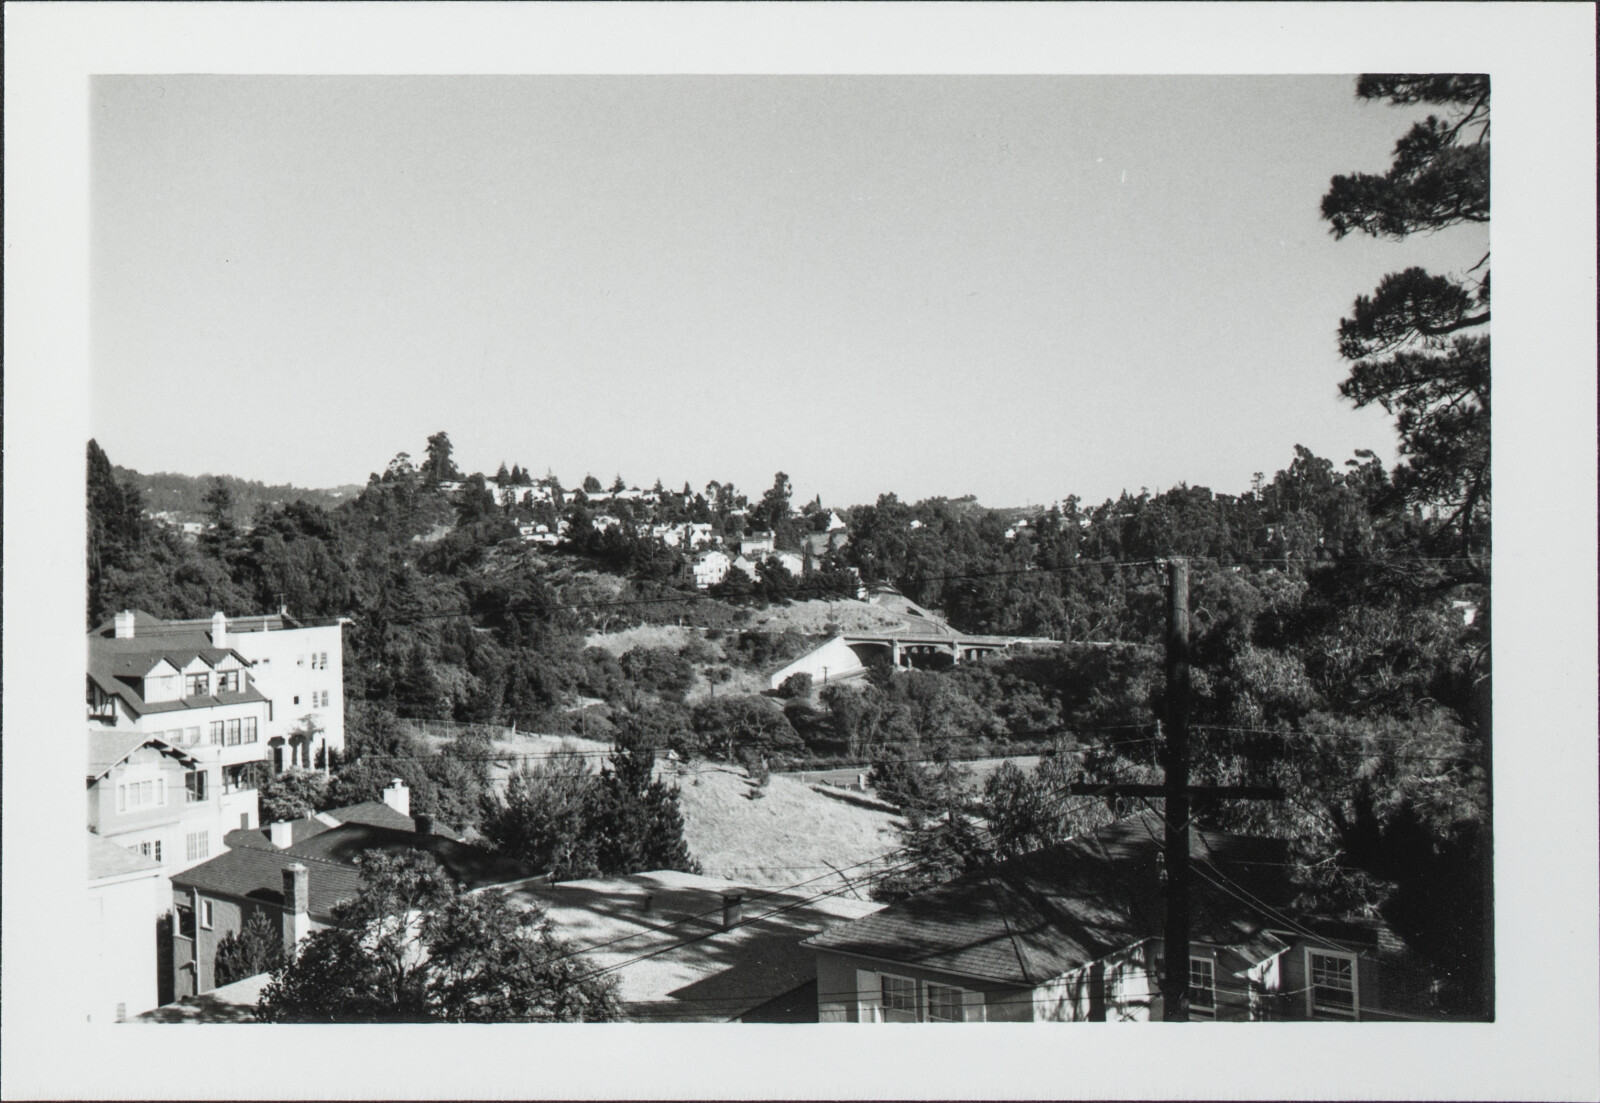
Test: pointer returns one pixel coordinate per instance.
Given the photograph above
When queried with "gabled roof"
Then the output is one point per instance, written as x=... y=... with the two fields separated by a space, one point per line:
x=254 y=874
x=260 y=838
x=115 y=666
x=1031 y=919
x=108 y=749
x=375 y=813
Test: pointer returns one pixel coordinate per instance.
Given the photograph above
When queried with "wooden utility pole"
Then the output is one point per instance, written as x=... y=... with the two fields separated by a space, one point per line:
x=1175 y=977
x=1178 y=795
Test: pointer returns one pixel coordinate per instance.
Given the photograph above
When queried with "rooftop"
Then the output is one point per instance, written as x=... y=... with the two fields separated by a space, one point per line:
x=662 y=931
x=109 y=748
x=254 y=874
x=232 y=1003
x=471 y=866
x=1038 y=916
x=107 y=859
x=375 y=813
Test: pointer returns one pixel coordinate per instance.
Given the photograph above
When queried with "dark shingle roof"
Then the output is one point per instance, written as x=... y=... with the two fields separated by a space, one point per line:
x=375 y=813
x=470 y=866
x=1038 y=916
x=260 y=838
x=258 y=875
x=114 y=665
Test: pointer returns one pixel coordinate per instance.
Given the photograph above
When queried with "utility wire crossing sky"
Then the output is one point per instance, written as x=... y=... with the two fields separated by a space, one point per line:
x=1014 y=287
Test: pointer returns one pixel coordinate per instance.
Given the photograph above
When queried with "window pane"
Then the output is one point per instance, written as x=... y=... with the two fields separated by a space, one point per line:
x=1333 y=985
x=1202 y=984
x=899 y=1000
x=944 y=1004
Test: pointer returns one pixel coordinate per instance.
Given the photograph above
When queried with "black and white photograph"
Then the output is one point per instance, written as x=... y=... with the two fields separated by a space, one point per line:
x=620 y=566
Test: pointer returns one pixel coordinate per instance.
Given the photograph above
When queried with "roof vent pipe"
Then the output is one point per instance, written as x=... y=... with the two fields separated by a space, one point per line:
x=732 y=906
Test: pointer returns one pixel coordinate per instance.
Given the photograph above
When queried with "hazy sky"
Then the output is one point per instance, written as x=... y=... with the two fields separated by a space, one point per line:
x=1015 y=287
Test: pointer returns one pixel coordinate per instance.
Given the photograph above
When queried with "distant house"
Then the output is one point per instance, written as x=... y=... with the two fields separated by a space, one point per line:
x=757 y=544
x=296 y=880
x=1073 y=933
x=819 y=544
x=710 y=568
x=687 y=948
x=128 y=894
x=600 y=522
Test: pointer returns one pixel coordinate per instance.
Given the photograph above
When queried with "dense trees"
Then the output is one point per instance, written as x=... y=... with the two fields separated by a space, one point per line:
x=411 y=947
x=562 y=817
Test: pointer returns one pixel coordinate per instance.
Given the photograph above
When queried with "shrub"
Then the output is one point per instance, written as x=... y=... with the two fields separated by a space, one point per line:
x=795 y=685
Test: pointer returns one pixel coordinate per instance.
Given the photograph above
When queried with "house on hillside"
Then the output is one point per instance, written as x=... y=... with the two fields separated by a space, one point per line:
x=186 y=691
x=710 y=567
x=1073 y=933
x=756 y=545
x=162 y=802
x=305 y=869
x=791 y=563
x=275 y=684
x=687 y=948
x=128 y=894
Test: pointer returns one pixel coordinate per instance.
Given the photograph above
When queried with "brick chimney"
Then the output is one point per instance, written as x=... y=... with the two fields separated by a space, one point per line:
x=397 y=795
x=732 y=907
x=282 y=834
x=219 y=629
x=296 y=906
x=123 y=623
x=424 y=823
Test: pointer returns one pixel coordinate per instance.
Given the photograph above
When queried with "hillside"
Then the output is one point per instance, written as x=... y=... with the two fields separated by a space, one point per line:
x=797 y=830
x=794 y=832
x=184 y=495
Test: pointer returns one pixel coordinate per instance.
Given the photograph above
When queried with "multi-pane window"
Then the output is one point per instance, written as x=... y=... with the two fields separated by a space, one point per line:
x=197 y=845
x=944 y=1003
x=249 y=729
x=910 y=1001
x=141 y=794
x=151 y=849
x=216 y=733
x=1202 y=987
x=324 y=700
x=899 y=999
x=235 y=730
x=1333 y=984
x=197 y=685
x=227 y=681
x=194 y=786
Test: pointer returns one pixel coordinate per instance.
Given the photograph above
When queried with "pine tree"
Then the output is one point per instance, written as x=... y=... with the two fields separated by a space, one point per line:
x=258 y=948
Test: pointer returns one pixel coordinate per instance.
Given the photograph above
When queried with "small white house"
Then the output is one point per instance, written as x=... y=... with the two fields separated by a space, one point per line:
x=710 y=568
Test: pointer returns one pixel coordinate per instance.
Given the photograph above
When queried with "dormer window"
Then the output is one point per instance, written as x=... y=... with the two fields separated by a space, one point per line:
x=197 y=685
x=227 y=681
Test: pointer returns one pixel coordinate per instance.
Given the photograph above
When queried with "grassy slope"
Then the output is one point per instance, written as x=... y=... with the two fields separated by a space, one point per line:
x=791 y=834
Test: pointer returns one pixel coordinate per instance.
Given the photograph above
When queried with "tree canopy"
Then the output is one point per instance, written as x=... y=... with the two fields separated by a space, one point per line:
x=411 y=947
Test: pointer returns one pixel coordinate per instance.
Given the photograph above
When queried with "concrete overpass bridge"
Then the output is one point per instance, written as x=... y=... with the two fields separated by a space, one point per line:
x=933 y=646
